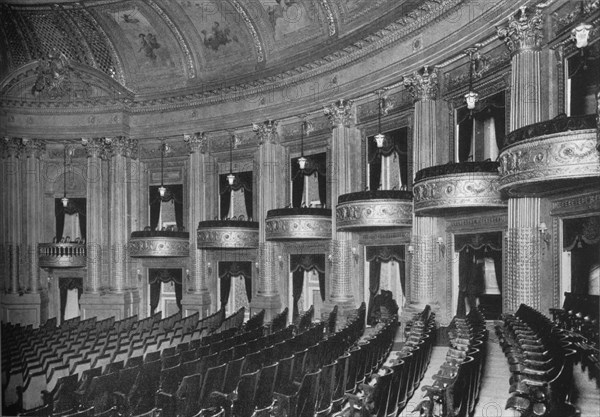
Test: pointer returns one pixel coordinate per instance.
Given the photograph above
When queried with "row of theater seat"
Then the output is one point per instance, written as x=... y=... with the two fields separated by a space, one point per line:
x=385 y=389
x=541 y=362
x=39 y=358
x=456 y=385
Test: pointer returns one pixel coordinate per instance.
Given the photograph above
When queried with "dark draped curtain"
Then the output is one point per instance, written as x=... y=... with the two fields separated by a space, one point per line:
x=376 y=255
x=316 y=165
x=75 y=205
x=489 y=107
x=581 y=236
x=396 y=142
x=158 y=276
x=66 y=284
x=243 y=181
x=228 y=270
x=175 y=194
x=374 y=280
x=473 y=249
x=306 y=263
x=297 y=285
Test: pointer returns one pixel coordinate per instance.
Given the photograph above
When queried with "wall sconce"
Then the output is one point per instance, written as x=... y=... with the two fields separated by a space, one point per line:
x=441 y=247
x=544 y=235
x=411 y=249
x=256 y=265
x=209 y=267
x=355 y=254
x=187 y=274
x=139 y=275
x=330 y=258
x=280 y=259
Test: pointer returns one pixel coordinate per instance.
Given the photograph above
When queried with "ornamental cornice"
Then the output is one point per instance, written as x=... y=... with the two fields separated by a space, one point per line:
x=559 y=156
x=430 y=13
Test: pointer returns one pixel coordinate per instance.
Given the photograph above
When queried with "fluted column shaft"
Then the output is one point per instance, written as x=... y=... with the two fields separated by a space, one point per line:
x=94 y=225
x=344 y=178
x=13 y=148
x=33 y=204
x=523 y=37
x=422 y=289
x=118 y=213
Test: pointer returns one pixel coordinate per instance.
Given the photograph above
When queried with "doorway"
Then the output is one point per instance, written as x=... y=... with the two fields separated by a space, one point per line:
x=581 y=255
x=479 y=273
x=235 y=287
x=307 y=283
x=70 y=294
x=165 y=290
x=387 y=274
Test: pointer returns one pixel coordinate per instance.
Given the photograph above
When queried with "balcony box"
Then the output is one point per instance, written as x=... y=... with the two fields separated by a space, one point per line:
x=159 y=244
x=551 y=156
x=374 y=209
x=227 y=234
x=455 y=188
x=298 y=224
x=62 y=255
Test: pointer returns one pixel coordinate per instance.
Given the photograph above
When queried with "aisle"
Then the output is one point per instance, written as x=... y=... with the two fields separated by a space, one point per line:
x=494 y=384
x=588 y=394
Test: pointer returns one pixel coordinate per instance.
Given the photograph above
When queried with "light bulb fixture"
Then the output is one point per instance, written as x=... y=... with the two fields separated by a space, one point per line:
x=302 y=162
x=355 y=254
x=544 y=235
x=380 y=140
x=231 y=177
x=411 y=249
x=441 y=247
x=580 y=34
x=162 y=190
x=471 y=97
x=305 y=129
x=209 y=268
x=65 y=200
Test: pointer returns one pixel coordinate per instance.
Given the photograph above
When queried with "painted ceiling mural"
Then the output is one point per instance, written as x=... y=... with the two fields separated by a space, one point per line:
x=293 y=21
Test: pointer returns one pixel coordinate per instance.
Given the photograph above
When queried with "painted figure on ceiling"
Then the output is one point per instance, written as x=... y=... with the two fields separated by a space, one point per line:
x=148 y=44
x=218 y=37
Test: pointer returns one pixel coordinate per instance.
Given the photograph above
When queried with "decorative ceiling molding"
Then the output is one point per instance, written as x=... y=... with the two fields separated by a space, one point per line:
x=351 y=54
x=260 y=55
x=330 y=18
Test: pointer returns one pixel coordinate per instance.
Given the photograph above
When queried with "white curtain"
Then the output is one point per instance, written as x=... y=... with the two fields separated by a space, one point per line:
x=72 y=307
x=390 y=281
x=483 y=140
x=390 y=172
x=72 y=226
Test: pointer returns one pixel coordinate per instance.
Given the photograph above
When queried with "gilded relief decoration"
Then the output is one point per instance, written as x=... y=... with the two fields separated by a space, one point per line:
x=373 y=214
x=298 y=227
x=227 y=237
x=144 y=247
x=558 y=156
x=473 y=189
x=62 y=255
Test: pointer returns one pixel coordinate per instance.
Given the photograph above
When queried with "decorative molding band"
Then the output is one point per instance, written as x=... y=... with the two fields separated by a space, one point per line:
x=158 y=247
x=571 y=205
x=298 y=227
x=490 y=222
x=374 y=213
x=543 y=160
x=434 y=196
x=260 y=55
x=330 y=18
x=62 y=255
x=242 y=237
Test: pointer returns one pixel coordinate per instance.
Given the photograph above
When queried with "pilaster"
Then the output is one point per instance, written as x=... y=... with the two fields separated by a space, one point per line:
x=12 y=150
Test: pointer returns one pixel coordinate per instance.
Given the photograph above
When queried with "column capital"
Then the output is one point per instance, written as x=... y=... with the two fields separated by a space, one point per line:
x=267 y=131
x=117 y=146
x=34 y=147
x=340 y=113
x=11 y=147
x=423 y=84
x=131 y=148
x=196 y=142
x=95 y=147
x=524 y=31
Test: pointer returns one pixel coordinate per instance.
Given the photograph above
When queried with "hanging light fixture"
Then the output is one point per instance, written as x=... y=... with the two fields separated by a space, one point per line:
x=471 y=97
x=379 y=137
x=162 y=189
x=302 y=160
x=65 y=200
x=581 y=33
x=231 y=177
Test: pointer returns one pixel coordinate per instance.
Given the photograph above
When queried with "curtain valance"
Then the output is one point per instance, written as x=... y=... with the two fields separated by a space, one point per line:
x=165 y=275
x=307 y=263
x=385 y=253
x=234 y=269
x=581 y=230
x=489 y=241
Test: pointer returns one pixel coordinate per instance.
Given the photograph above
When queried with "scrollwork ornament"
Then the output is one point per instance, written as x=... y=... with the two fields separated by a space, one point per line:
x=423 y=84
x=34 y=147
x=267 y=131
x=196 y=142
x=340 y=112
x=524 y=31
x=95 y=147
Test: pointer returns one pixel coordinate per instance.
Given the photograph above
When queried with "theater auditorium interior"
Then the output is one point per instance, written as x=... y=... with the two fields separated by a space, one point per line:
x=252 y=208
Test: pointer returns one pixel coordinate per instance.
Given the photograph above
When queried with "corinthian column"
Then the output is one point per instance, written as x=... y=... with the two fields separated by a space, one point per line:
x=270 y=160
x=423 y=87
x=118 y=212
x=523 y=37
x=95 y=152
x=33 y=204
x=202 y=188
x=12 y=149
x=344 y=177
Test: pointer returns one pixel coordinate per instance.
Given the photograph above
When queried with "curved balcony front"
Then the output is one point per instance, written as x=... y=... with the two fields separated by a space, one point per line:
x=551 y=156
x=159 y=244
x=227 y=234
x=298 y=224
x=374 y=209
x=455 y=188
x=62 y=255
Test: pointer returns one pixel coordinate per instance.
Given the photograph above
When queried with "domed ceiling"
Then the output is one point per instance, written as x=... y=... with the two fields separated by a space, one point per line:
x=152 y=46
